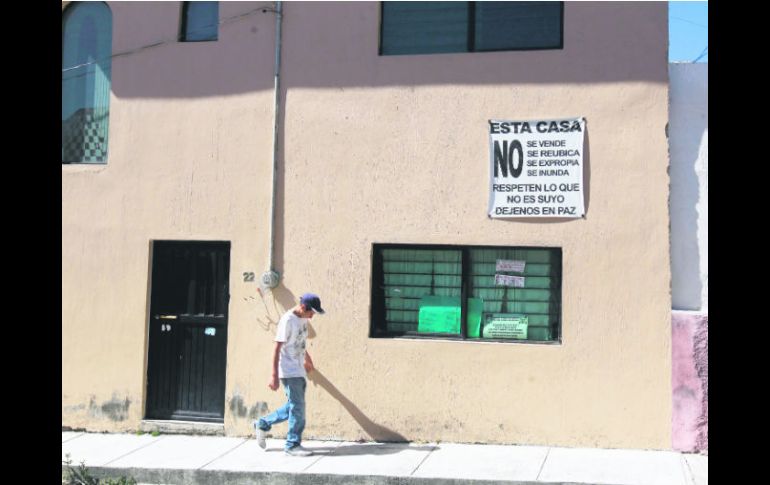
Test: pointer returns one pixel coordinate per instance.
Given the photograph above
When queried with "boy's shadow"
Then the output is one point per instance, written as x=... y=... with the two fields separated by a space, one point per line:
x=388 y=440
x=374 y=449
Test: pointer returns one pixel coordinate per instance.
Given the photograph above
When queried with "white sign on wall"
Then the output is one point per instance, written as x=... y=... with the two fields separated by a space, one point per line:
x=536 y=168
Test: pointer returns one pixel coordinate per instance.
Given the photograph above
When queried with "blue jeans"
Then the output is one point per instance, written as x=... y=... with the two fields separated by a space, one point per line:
x=293 y=410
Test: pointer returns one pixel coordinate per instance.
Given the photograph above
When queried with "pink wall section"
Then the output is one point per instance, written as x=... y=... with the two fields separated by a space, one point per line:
x=690 y=381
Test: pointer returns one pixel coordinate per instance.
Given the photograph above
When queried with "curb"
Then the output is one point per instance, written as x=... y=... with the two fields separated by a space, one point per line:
x=225 y=477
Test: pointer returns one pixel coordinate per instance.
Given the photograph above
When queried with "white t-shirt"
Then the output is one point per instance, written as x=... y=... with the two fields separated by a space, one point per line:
x=292 y=331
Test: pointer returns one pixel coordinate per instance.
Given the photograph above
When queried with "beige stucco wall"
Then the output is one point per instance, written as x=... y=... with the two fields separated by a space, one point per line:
x=377 y=149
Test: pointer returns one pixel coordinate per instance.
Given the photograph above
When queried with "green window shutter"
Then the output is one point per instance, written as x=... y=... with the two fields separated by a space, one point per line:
x=518 y=25
x=424 y=27
x=422 y=290
x=539 y=299
x=441 y=27
x=419 y=290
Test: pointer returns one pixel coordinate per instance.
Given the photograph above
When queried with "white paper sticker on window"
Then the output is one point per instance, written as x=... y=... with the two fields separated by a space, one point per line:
x=510 y=265
x=210 y=331
x=506 y=280
x=504 y=325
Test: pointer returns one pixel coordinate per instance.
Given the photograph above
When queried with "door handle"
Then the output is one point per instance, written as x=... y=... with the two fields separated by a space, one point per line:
x=165 y=317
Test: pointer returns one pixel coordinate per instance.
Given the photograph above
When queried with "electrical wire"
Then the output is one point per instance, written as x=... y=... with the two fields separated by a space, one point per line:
x=705 y=52
x=228 y=20
x=689 y=22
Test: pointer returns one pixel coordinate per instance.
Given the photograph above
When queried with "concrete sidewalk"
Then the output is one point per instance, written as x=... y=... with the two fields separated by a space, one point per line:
x=182 y=459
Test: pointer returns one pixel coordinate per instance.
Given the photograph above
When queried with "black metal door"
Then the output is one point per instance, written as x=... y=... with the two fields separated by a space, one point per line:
x=188 y=331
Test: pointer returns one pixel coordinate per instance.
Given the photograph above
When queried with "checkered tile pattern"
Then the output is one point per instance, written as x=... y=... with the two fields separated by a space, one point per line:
x=84 y=137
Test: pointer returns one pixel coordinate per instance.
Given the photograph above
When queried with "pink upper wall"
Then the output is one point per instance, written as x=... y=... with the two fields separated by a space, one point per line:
x=335 y=45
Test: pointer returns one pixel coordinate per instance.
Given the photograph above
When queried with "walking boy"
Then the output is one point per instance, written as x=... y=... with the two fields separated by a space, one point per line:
x=291 y=361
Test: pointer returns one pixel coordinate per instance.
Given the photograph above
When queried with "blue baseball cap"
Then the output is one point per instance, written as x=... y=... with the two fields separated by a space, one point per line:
x=311 y=300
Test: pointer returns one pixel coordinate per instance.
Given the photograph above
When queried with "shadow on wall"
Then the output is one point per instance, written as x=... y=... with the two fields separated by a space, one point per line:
x=288 y=300
x=277 y=301
x=335 y=45
x=374 y=430
x=285 y=298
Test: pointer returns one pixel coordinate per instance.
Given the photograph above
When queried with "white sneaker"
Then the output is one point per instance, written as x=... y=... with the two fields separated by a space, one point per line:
x=260 y=434
x=299 y=451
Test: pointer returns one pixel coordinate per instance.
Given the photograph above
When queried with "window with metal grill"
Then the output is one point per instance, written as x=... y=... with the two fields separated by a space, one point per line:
x=200 y=21
x=441 y=27
x=466 y=292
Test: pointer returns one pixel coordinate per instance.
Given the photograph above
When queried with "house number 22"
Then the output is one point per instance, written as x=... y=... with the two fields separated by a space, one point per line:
x=248 y=276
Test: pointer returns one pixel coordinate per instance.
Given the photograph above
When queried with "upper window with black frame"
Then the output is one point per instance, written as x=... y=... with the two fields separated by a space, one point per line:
x=466 y=292
x=200 y=21
x=443 y=27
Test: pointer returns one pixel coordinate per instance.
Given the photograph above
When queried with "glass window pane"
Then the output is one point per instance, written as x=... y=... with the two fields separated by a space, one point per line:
x=518 y=293
x=422 y=290
x=202 y=21
x=513 y=293
x=424 y=27
x=86 y=80
x=518 y=25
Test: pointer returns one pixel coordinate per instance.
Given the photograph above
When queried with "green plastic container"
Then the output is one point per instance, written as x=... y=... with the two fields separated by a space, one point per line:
x=441 y=314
